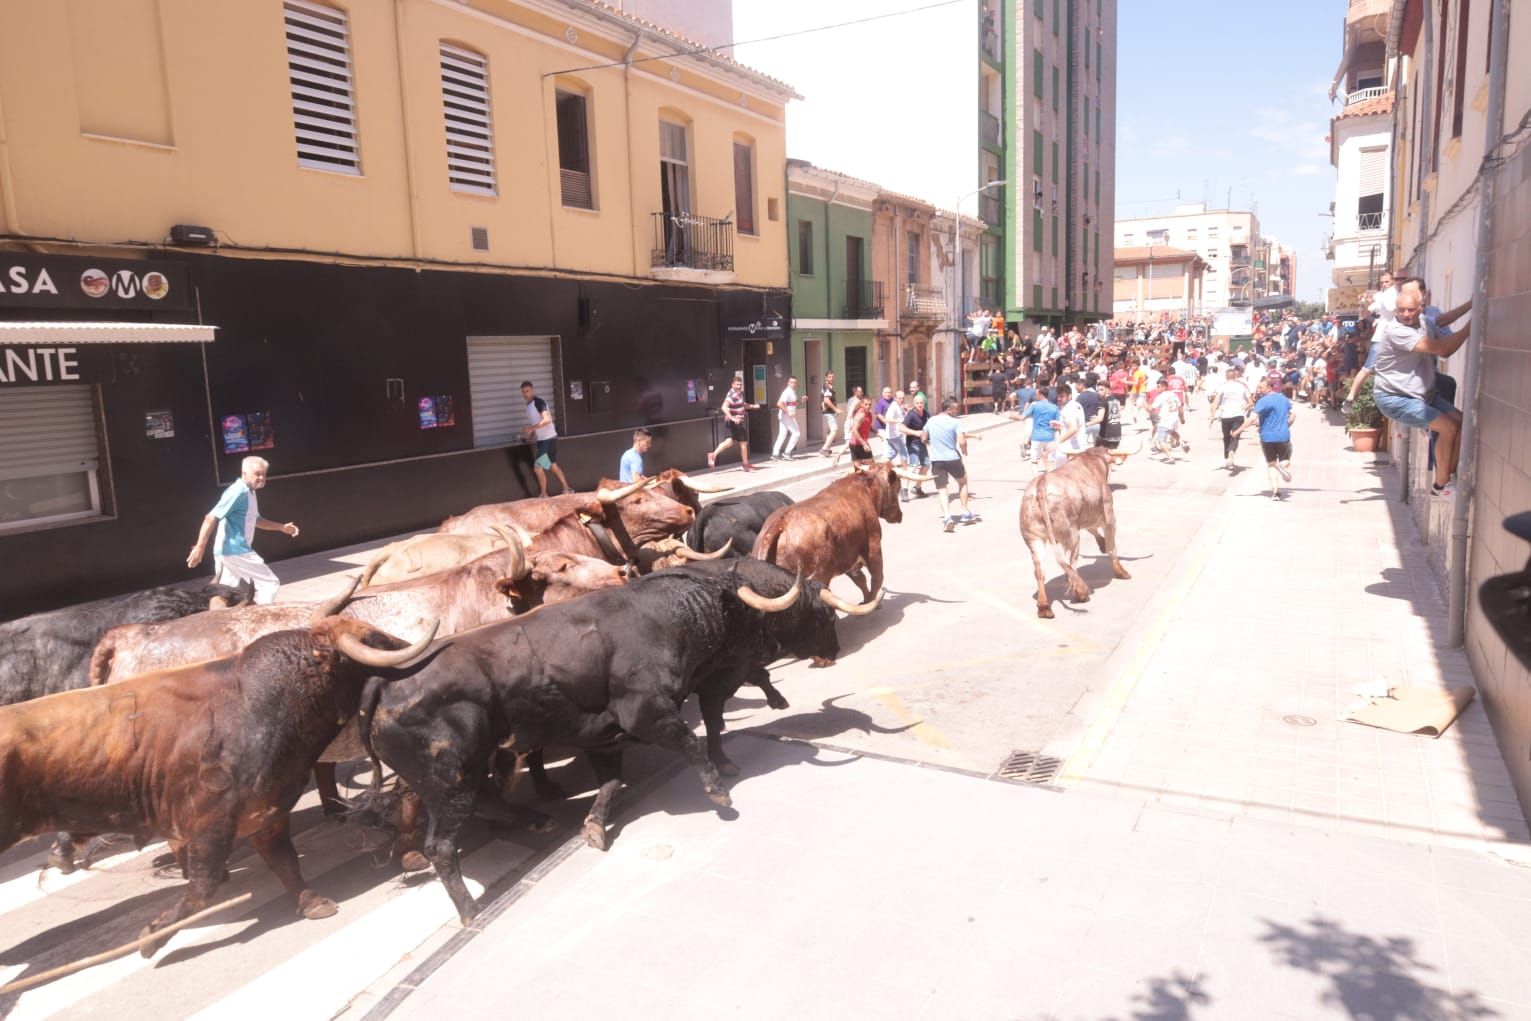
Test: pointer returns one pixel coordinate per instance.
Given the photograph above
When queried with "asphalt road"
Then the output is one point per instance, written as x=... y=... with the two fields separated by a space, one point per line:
x=954 y=669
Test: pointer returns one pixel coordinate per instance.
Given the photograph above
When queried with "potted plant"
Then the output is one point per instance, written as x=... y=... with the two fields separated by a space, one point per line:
x=1363 y=421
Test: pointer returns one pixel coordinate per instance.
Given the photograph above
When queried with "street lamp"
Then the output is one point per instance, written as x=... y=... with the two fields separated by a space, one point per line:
x=957 y=333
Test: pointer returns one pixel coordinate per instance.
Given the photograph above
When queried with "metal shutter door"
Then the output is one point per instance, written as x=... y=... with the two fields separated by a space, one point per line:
x=1373 y=176
x=496 y=367
x=48 y=430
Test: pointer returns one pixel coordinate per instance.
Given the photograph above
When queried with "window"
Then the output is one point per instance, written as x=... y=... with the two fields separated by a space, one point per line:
x=1371 y=185
x=574 y=149
x=1190 y=233
x=1211 y=233
x=470 y=136
x=1036 y=230
x=912 y=258
x=1057 y=17
x=54 y=475
x=1036 y=193
x=1055 y=235
x=674 y=176
x=805 y=247
x=1036 y=73
x=496 y=367
x=1127 y=239
x=1085 y=178
x=319 y=72
x=1055 y=86
x=1097 y=60
x=744 y=187
x=1459 y=85
x=1036 y=154
x=1036 y=296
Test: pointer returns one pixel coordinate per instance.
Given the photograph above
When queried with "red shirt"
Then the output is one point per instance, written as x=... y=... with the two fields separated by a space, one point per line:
x=1118 y=382
x=1176 y=384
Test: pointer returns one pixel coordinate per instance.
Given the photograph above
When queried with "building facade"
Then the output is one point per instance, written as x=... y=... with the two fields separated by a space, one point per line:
x=1056 y=148
x=1227 y=240
x=1448 y=160
x=1151 y=281
x=838 y=308
x=387 y=216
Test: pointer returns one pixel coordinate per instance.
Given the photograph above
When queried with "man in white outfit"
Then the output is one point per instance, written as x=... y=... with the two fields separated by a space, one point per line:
x=235 y=517
x=787 y=431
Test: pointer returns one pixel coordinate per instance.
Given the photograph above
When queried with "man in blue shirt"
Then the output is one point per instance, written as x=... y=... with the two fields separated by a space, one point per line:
x=630 y=469
x=913 y=430
x=1274 y=412
x=948 y=442
x=235 y=517
x=1044 y=435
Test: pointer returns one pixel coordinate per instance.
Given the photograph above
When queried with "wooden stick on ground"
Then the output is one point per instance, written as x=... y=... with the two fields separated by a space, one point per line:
x=126 y=948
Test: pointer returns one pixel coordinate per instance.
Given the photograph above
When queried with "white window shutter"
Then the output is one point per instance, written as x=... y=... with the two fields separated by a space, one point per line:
x=323 y=103
x=496 y=367
x=1372 y=179
x=470 y=133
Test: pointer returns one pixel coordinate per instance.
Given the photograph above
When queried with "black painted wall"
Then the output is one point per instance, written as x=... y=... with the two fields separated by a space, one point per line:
x=314 y=344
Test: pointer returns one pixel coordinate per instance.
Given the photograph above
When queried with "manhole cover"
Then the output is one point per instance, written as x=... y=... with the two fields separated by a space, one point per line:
x=1300 y=721
x=1030 y=767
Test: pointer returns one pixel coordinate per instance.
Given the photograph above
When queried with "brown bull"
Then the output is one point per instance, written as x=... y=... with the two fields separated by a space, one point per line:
x=1057 y=506
x=835 y=531
x=422 y=555
x=201 y=756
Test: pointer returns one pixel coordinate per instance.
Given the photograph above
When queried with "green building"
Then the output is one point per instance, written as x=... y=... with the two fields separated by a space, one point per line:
x=836 y=305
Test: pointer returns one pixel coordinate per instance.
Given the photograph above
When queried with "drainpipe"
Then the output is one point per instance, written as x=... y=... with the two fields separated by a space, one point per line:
x=632 y=167
x=1425 y=142
x=409 y=144
x=829 y=287
x=10 y=219
x=1461 y=502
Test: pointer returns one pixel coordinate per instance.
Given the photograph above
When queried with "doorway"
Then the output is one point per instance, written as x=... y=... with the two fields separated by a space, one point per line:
x=855 y=368
x=813 y=382
x=757 y=390
x=853 y=288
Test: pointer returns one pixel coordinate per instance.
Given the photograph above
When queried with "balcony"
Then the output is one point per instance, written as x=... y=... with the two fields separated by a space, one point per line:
x=991 y=207
x=863 y=300
x=1370 y=223
x=925 y=303
x=988 y=128
x=693 y=247
x=991 y=47
x=1359 y=9
x=1362 y=95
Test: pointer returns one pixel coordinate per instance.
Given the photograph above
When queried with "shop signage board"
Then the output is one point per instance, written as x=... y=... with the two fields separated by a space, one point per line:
x=87 y=283
x=46 y=366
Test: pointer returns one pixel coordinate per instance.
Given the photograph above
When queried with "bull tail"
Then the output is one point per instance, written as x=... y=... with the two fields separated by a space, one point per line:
x=1044 y=509
x=366 y=711
x=769 y=537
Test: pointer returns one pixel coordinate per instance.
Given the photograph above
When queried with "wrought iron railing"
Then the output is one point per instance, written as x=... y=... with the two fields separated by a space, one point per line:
x=1369 y=221
x=863 y=299
x=988 y=127
x=925 y=301
x=687 y=241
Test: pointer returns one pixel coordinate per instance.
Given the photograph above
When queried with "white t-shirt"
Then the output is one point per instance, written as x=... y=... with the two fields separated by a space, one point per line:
x=788 y=402
x=1167 y=406
x=1072 y=416
x=1385 y=304
x=534 y=409
x=1154 y=375
x=1233 y=399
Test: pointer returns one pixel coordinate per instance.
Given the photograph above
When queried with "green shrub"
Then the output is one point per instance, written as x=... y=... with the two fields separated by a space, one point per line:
x=1363 y=413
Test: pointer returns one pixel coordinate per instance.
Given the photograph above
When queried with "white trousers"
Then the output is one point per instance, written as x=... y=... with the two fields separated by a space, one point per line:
x=786 y=432
x=249 y=567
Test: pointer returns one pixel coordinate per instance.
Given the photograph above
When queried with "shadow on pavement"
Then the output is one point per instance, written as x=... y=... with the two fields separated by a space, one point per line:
x=856 y=632
x=829 y=720
x=1372 y=977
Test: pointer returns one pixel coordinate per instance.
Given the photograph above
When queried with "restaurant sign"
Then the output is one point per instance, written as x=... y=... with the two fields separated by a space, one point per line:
x=76 y=282
x=41 y=366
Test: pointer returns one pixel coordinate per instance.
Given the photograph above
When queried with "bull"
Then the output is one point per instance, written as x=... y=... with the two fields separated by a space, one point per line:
x=598 y=673
x=202 y=756
x=734 y=519
x=1056 y=507
x=836 y=531
x=50 y=652
x=422 y=555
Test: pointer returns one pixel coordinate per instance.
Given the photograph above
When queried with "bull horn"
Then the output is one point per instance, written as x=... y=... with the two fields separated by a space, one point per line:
x=335 y=605
x=519 y=568
x=366 y=655
x=687 y=553
x=700 y=486
x=833 y=601
x=611 y=496
x=911 y=477
x=749 y=597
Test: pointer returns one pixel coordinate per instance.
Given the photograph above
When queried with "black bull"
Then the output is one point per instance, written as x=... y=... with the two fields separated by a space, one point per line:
x=736 y=518
x=598 y=673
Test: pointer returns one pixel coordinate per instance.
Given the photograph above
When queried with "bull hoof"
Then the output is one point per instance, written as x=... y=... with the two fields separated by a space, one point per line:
x=414 y=861
x=334 y=808
x=1079 y=597
x=820 y=661
x=776 y=700
x=1118 y=571
x=311 y=905
x=594 y=834
x=63 y=862
x=153 y=947
x=1045 y=612
x=720 y=797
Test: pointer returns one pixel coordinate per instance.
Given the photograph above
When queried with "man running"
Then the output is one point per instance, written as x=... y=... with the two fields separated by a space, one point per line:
x=1275 y=414
x=734 y=417
x=1230 y=404
x=786 y=426
x=236 y=516
x=948 y=442
x=539 y=427
x=831 y=412
x=1044 y=435
x=913 y=429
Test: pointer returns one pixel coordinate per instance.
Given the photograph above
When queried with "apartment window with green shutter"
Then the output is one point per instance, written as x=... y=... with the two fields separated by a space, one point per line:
x=1036 y=72
x=1036 y=152
x=1037 y=7
x=1055 y=298
x=1097 y=123
x=1055 y=86
x=1055 y=162
x=1097 y=61
x=1036 y=230
x=1086 y=181
x=1087 y=120
x=1055 y=235
x=1097 y=187
x=1057 y=18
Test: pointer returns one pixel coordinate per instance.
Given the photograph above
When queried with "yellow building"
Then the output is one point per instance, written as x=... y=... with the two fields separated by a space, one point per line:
x=389 y=213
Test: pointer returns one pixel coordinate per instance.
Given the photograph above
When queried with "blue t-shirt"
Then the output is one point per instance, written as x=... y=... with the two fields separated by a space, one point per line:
x=1043 y=413
x=943 y=431
x=1273 y=409
x=631 y=467
x=1024 y=396
x=238 y=510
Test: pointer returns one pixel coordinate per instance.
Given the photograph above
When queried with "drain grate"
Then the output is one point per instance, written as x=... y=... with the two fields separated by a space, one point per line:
x=1300 y=721
x=1030 y=767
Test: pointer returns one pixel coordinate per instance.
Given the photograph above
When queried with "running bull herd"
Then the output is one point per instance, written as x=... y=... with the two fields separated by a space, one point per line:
x=583 y=621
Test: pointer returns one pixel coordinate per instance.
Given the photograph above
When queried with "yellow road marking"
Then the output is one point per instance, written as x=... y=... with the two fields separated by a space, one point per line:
x=918 y=727
x=1081 y=758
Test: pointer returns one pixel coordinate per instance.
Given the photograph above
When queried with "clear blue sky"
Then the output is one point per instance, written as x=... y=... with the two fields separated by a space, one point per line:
x=1209 y=96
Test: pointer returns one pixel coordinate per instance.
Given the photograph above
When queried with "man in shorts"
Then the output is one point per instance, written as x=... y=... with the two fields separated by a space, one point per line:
x=948 y=442
x=830 y=409
x=235 y=517
x=737 y=422
x=1044 y=436
x=540 y=428
x=1405 y=390
x=1273 y=410
x=913 y=428
x=1111 y=418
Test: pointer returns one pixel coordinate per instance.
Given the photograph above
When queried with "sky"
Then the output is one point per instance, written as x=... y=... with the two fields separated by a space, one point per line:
x=1211 y=96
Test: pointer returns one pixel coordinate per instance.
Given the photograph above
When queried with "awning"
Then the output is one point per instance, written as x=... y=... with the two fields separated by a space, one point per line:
x=105 y=333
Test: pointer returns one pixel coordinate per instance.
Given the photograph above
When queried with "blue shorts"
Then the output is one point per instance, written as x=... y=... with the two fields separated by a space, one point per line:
x=547 y=451
x=1411 y=411
x=919 y=456
x=897 y=450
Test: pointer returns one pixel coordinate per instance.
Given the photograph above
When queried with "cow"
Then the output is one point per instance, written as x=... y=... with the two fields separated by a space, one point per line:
x=422 y=555
x=1056 y=507
x=836 y=531
x=50 y=652
x=202 y=756
x=734 y=519
x=598 y=673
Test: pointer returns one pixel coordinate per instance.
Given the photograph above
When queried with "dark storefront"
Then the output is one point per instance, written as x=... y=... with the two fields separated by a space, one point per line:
x=359 y=385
